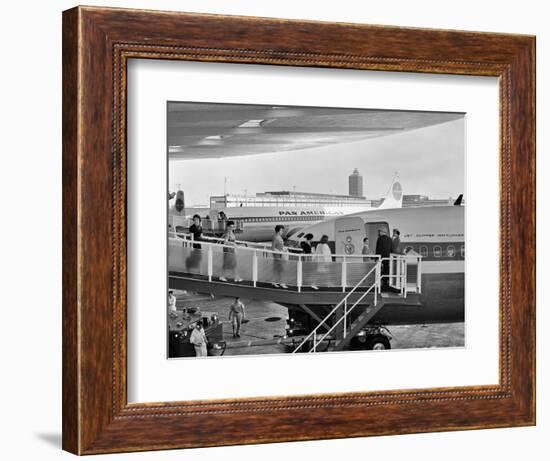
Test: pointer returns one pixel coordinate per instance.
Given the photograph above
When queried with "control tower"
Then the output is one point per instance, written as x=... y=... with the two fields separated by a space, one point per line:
x=355 y=184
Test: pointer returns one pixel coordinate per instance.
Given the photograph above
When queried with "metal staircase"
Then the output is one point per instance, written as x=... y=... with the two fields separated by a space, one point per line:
x=356 y=326
x=336 y=325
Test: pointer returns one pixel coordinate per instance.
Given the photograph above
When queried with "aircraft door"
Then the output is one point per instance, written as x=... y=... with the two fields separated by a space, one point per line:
x=348 y=235
x=371 y=231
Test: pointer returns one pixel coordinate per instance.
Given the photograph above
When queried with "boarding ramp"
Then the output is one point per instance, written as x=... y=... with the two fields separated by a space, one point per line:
x=256 y=272
x=259 y=265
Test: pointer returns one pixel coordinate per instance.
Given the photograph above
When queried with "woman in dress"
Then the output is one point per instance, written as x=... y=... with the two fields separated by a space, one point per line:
x=196 y=230
x=308 y=255
x=229 y=258
x=322 y=251
x=366 y=250
x=307 y=249
x=193 y=262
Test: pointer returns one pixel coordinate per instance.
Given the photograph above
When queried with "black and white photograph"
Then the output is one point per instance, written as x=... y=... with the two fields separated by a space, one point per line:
x=276 y=230
x=311 y=229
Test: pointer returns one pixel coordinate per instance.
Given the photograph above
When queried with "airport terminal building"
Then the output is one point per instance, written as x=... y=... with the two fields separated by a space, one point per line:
x=299 y=199
x=287 y=198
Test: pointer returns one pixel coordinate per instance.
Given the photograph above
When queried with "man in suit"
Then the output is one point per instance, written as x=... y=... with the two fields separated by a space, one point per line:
x=396 y=242
x=384 y=248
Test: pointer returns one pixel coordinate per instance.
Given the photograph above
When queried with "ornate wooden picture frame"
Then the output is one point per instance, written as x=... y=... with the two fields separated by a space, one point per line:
x=97 y=44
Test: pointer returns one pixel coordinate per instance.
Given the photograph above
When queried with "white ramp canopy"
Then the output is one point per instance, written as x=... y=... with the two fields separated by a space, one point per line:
x=206 y=130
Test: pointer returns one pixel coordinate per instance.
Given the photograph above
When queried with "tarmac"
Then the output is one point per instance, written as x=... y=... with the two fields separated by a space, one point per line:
x=267 y=320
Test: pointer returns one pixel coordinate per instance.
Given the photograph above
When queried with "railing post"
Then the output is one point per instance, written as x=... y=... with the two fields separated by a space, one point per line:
x=404 y=277
x=299 y=273
x=254 y=267
x=345 y=318
x=344 y=274
x=418 y=275
x=390 y=272
x=399 y=273
x=377 y=271
x=399 y=279
x=210 y=263
x=314 y=340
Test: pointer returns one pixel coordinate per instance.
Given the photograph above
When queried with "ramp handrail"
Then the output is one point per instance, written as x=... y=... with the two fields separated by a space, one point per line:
x=398 y=272
x=218 y=240
x=243 y=245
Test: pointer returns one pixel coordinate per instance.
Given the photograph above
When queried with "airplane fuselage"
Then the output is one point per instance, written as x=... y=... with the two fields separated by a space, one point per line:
x=435 y=233
x=258 y=223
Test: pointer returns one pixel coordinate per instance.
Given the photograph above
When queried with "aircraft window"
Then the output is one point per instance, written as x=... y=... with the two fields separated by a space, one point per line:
x=437 y=251
x=300 y=235
x=462 y=251
x=451 y=251
x=423 y=251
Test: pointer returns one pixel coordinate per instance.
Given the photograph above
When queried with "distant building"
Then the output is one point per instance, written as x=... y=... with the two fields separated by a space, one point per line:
x=424 y=200
x=287 y=198
x=355 y=184
x=415 y=200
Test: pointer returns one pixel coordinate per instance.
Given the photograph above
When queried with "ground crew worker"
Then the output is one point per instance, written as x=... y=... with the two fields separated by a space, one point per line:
x=236 y=316
x=171 y=301
x=198 y=339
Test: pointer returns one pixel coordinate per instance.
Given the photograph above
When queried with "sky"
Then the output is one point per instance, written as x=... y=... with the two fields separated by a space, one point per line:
x=430 y=161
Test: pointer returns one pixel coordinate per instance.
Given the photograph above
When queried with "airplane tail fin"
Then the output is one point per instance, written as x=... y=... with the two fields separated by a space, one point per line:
x=178 y=205
x=394 y=196
x=458 y=201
